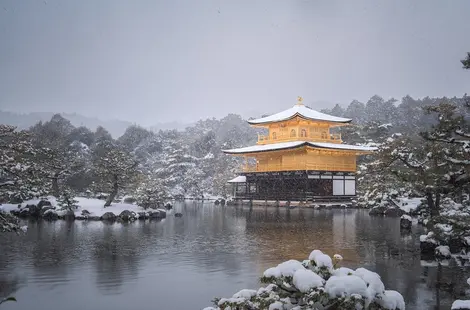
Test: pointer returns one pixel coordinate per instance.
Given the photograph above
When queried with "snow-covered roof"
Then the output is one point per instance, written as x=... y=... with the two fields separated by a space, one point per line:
x=296 y=144
x=301 y=111
x=239 y=179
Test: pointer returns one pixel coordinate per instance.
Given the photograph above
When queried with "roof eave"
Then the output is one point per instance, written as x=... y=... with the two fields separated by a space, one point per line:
x=255 y=123
x=359 y=152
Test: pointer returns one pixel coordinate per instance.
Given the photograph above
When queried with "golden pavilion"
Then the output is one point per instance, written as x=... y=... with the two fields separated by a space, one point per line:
x=299 y=158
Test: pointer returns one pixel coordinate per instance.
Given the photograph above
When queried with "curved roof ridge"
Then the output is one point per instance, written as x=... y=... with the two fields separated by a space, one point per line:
x=295 y=144
x=301 y=111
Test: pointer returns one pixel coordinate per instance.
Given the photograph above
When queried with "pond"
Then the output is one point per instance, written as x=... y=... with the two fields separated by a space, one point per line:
x=182 y=263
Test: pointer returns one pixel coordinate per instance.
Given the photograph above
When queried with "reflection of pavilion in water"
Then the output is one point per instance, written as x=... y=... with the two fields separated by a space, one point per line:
x=283 y=234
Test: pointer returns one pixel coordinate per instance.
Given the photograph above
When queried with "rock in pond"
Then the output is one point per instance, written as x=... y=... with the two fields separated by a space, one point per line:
x=127 y=215
x=168 y=206
x=45 y=208
x=50 y=215
x=157 y=214
x=405 y=222
x=69 y=215
x=143 y=215
x=394 y=212
x=33 y=211
x=108 y=216
x=380 y=210
x=428 y=244
x=177 y=214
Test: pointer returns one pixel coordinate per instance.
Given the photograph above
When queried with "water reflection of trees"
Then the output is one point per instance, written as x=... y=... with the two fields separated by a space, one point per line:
x=396 y=257
x=116 y=256
x=236 y=241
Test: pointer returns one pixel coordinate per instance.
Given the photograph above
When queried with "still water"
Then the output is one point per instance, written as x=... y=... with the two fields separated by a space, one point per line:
x=182 y=263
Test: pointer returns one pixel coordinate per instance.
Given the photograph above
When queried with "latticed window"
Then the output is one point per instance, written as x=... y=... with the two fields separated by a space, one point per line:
x=292 y=133
x=274 y=136
x=303 y=133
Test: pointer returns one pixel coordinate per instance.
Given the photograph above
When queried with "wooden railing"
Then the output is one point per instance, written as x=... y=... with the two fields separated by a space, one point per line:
x=299 y=166
x=332 y=138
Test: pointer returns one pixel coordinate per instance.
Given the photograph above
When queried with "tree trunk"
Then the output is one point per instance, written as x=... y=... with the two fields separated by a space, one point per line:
x=113 y=193
x=433 y=204
x=55 y=185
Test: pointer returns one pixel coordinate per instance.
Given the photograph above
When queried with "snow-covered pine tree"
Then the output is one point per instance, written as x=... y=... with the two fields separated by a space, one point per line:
x=8 y=222
x=420 y=164
x=58 y=156
x=452 y=134
x=114 y=167
x=192 y=182
x=67 y=200
x=19 y=174
x=151 y=192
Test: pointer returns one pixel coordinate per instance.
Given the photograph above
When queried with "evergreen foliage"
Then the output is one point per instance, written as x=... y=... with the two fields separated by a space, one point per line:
x=316 y=283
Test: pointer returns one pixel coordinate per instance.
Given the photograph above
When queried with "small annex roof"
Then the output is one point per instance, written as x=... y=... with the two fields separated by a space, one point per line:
x=239 y=179
x=296 y=144
x=299 y=110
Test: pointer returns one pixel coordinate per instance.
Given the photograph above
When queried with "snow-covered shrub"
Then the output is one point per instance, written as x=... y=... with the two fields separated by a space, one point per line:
x=151 y=193
x=67 y=201
x=8 y=222
x=452 y=223
x=315 y=283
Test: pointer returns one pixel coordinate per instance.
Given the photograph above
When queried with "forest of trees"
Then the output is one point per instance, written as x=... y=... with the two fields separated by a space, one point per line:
x=423 y=150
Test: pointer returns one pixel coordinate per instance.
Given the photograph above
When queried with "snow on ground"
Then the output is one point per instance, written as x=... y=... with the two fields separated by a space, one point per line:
x=96 y=207
x=461 y=304
x=408 y=204
x=92 y=205
x=7 y=207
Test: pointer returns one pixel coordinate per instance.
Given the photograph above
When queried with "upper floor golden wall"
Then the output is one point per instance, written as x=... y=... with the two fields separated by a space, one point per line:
x=299 y=130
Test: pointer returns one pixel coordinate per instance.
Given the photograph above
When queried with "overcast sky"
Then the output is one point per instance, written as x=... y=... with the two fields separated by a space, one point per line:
x=157 y=61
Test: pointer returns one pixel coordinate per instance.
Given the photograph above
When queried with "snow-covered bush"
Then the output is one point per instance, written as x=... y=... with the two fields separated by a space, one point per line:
x=151 y=193
x=67 y=201
x=8 y=222
x=315 y=283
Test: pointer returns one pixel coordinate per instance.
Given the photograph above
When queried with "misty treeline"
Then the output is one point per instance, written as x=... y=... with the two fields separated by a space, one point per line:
x=56 y=158
x=423 y=148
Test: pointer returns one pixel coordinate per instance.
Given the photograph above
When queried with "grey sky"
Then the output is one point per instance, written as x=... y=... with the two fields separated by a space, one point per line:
x=157 y=61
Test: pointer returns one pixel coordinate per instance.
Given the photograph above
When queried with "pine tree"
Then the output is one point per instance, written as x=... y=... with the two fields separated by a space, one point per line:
x=151 y=192
x=20 y=175
x=67 y=200
x=114 y=167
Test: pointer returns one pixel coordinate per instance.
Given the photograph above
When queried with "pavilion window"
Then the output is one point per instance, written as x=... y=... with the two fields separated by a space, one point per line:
x=274 y=136
x=323 y=135
x=292 y=133
x=303 y=133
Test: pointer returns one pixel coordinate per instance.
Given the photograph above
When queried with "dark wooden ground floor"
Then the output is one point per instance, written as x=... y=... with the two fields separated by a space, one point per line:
x=297 y=186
